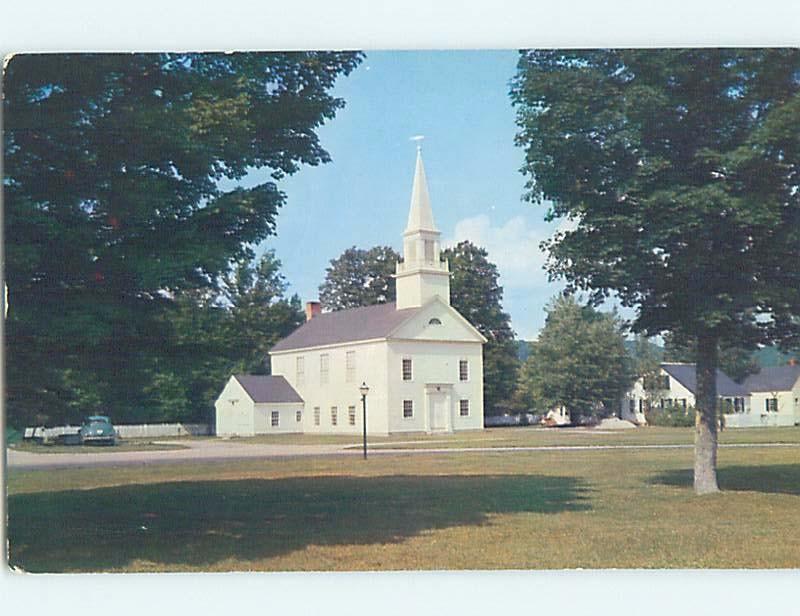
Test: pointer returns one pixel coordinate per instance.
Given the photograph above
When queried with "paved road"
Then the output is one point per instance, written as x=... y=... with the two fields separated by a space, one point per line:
x=219 y=450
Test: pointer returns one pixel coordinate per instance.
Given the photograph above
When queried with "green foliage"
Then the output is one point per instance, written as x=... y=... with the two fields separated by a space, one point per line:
x=477 y=295
x=359 y=278
x=734 y=360
x=679 y=168
x=115 y=205
x=579 y=362
x=673 y=416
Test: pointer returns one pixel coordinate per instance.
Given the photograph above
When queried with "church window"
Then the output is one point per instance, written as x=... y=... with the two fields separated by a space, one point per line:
x=463 y=408
x=324 y=361
x=316 y=415
x=334 y=415
x=350 y=366
x=300 y=370
x=434 y=321
x=275 y=419
x=406 y=369
x=429 y=250
x=408 y=408
x=463 y=370
x=351 y=415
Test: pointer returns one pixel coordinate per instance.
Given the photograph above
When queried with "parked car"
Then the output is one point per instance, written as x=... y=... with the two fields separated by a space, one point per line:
x=98 y=429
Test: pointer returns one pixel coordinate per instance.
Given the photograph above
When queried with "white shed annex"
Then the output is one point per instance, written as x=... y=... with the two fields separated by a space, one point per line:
x=255 y=404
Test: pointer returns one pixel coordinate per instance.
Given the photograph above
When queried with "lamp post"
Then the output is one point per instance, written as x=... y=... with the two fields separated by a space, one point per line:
x=364 y=391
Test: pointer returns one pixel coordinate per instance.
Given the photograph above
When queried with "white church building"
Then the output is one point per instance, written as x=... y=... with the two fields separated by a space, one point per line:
x=422 y=361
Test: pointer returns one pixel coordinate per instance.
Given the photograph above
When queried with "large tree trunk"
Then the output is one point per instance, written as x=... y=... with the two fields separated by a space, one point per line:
x=705 y=437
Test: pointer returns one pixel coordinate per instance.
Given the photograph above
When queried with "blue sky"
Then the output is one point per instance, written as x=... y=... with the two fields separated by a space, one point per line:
x=459 y=101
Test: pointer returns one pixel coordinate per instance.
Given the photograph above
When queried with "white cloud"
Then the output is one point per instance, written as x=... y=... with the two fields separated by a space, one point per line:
x=513 y=246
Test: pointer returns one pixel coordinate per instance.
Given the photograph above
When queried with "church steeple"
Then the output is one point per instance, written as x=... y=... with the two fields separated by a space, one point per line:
x=420 y=216
x=421 y=275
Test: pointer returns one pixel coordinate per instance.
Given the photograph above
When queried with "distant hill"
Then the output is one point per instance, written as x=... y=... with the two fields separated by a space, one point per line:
x=771 y=356
x=766 y=357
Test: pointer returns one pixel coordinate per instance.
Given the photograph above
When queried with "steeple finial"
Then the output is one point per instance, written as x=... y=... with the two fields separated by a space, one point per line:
x=420 y=215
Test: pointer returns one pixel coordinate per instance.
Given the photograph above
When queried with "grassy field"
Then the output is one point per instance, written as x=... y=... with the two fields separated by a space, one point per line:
x=122 y=445
x=532 y=437
x=543 y=509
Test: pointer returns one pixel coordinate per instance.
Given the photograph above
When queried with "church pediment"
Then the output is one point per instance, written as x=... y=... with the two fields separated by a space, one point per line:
x=437 y=321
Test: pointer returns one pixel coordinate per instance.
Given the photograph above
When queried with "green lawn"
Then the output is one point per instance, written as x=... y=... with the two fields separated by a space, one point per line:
x=122 y=445
x=533 y=437
x=552 y=509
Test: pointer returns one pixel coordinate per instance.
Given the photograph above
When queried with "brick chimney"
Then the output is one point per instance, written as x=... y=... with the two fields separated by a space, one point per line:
x=313 y=309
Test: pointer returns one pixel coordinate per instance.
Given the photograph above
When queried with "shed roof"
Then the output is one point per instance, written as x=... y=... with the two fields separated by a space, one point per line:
x=268 y=388
x=775 y=378
x=365 y=323
x=686 y=375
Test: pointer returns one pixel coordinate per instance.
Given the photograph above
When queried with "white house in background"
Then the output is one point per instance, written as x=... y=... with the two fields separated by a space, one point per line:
x=774 y=397
x=675 y=385
x=422 y=360
x=254 y=404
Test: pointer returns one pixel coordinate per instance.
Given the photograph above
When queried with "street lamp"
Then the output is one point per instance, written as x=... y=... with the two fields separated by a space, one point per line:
x=364 y=391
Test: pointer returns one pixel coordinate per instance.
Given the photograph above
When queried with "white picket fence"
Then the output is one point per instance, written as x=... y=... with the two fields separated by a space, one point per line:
x=161 y=429
x=125 y=431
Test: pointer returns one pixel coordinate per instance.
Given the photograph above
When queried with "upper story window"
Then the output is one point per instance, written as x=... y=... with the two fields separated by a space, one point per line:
x=407 y=374
x=324 y=367
x=300 y=370
x=463 y=370
x=350 y=366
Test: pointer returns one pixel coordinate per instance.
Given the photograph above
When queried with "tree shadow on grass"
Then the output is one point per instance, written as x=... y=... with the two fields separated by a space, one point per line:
x=199 y=523
x=771 y=479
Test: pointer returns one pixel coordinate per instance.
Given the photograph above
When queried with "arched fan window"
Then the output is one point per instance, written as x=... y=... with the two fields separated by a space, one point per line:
x=434 y=321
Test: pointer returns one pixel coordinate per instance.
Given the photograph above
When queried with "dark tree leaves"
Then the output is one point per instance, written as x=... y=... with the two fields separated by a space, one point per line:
x=359 y=277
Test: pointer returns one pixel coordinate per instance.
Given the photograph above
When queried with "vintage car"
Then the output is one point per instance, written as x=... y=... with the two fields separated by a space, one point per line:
x=98 y=429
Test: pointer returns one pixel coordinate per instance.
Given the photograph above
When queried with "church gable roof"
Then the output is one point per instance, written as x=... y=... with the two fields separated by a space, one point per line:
x=437 y=320
x=342 y=326
x=268 y=388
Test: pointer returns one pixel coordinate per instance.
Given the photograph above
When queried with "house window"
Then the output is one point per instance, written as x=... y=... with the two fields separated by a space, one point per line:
x=738 y=405
x=350 y=366
x=463 y=408
x=298 y=416
x=408 y=408
x=324 y=364
x=429 y=250
x=632 y=406
x=316 y=415
x=300 y=370
x=275 y=420
x=351 y=415
x=771 y=405
x=334 y=415
x=406 y=369
x=463 y=370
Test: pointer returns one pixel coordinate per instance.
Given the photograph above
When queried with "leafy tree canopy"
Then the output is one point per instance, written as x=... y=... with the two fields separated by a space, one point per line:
x=359 y=277
x=121 y=193
x=680 y=170
x=579 y=362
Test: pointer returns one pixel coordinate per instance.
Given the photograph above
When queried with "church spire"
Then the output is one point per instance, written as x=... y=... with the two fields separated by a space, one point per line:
x=421 y=274
x=420 y=215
